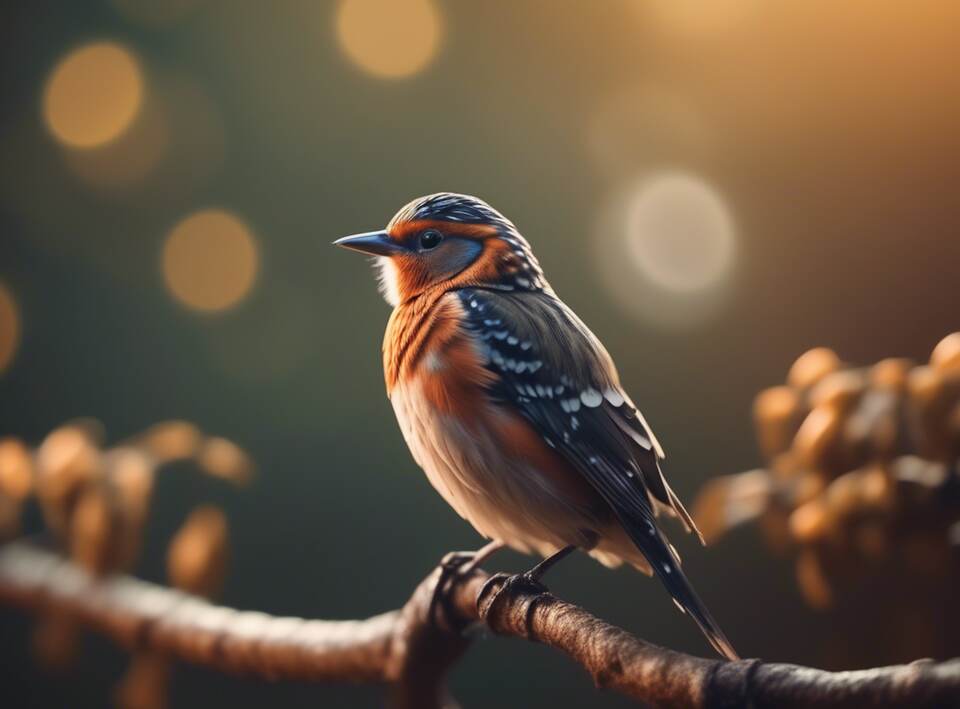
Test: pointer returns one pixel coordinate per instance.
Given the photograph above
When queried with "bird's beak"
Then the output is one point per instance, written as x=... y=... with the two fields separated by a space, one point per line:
x=378 y=243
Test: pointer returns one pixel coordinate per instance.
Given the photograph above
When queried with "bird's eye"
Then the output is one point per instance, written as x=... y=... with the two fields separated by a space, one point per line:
x=429 y=239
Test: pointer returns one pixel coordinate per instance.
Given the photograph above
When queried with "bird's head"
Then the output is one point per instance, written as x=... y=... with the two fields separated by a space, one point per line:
x=448 y=241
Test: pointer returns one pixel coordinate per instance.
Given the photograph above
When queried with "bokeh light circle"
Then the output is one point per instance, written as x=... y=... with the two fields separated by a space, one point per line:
x=700 y=20
x=175 y=145
x=675 y=286
x=9 y=328
x=680 y=233
x=129 y=160
x=389 y=38
x=210 y=260
x=93 y=95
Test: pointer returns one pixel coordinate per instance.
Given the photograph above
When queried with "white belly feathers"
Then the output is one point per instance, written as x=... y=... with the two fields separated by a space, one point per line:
x=503 y=499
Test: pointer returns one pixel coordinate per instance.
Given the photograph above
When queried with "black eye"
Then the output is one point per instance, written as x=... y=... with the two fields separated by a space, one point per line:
x=429 y=239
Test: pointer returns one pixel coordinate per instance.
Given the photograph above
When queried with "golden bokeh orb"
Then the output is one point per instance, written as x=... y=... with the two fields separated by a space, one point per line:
x=698 y=20
x=390 y=39
x=129 y=160
x=93 y=95
x=666 y=249
x=680 y=233
x=210 y=260
x=9 y=328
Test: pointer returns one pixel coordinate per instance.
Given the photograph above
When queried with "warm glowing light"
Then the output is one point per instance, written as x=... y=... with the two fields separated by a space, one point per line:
x=9 y=328
x=699 y=20
x=225 y=459
x=210 y=260
x=16 y=469
x=129 y=159
x=197 y=554
x=93 y=95
x=680 y=233
x=172 y=440
x=389 y=38
x=131 y=472
x=176 y=143
x=666 y=249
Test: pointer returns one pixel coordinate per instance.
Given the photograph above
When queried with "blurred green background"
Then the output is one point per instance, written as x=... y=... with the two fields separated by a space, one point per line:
x=714 y=187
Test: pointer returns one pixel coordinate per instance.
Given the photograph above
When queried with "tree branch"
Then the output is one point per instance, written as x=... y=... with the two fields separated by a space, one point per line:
x=412 y=655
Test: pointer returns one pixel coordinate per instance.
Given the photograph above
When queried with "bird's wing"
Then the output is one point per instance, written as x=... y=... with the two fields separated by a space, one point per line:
x=549 y=367
x=554 y=370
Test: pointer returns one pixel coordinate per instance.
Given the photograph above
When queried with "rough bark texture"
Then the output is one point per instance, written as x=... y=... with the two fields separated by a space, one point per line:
x=406 y=651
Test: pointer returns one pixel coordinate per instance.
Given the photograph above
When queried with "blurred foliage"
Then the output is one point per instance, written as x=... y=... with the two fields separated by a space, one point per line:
x=862 y=489
x=95 y=501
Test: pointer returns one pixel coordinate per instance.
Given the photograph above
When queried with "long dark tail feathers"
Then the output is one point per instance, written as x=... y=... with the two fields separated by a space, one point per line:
x=658 y=552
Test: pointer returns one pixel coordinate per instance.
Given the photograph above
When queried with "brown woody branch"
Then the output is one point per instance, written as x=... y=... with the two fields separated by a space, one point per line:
x=411 y=655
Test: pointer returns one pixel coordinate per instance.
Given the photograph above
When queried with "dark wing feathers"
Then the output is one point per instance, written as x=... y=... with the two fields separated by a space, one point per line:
x=550 y=364
x=552 y=369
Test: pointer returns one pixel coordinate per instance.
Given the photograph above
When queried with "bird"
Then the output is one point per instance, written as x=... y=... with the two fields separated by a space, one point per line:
x=512 y=406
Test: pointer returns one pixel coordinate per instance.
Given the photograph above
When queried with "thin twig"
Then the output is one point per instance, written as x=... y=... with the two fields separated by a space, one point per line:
x=411 y=654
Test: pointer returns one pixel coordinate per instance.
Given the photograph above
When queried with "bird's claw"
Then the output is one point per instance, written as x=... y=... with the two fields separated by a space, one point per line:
x=451 y=565
x=452 y=561
x=511 y=583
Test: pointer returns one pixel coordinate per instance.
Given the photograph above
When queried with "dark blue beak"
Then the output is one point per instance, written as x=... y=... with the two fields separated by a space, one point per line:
x=377 y=243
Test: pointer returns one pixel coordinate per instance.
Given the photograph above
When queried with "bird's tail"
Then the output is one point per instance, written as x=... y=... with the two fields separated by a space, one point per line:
x=666 y=566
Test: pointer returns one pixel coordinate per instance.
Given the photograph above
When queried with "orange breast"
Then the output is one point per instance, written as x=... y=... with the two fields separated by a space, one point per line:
x=432 y=348
x=454 y=379
x=416 y=326
x=454 y=382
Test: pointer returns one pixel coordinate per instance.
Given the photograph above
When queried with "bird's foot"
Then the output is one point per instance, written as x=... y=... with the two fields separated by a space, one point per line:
x=457 y=564
x=529 y=581
x=511 y=583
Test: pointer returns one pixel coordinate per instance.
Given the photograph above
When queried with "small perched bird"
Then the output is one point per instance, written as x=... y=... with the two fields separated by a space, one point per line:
x=511 y=405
